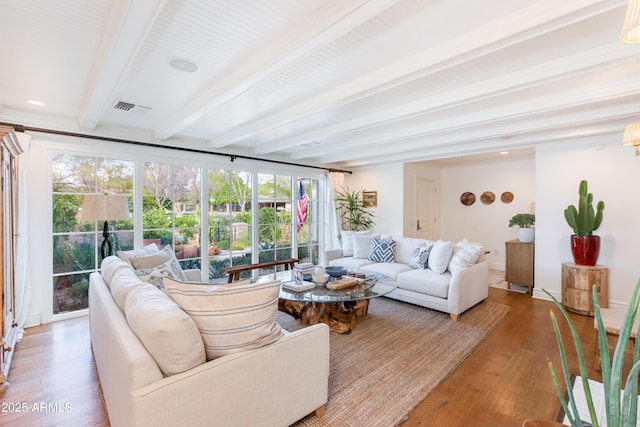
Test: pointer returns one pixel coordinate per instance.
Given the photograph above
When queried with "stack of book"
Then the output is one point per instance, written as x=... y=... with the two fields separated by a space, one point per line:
x=304 y=286
x=305 y=267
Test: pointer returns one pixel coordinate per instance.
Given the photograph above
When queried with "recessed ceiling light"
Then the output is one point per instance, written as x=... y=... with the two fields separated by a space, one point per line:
x=183 y=65
x=504 y=152
x=35 y=102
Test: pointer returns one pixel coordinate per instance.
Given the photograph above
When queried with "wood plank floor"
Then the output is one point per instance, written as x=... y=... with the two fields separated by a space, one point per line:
x=504 y=381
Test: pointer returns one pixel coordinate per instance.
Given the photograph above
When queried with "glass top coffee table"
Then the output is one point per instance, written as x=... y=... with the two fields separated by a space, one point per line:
x=337 y=308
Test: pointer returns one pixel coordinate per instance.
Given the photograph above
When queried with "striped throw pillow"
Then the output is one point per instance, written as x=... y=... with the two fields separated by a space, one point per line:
x=230 y=318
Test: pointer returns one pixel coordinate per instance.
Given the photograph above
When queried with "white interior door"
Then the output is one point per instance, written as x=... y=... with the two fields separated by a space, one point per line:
x=425 y=209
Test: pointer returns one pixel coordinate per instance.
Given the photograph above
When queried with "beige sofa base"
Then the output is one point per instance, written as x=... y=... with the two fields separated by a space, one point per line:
x=261 y=387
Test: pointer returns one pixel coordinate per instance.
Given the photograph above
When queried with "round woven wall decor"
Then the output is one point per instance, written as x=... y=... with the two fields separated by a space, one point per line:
x=487 y=197
x=467 y=198
x=507 y=197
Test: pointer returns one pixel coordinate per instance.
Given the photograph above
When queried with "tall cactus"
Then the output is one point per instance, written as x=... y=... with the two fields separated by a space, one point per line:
x=584 y=220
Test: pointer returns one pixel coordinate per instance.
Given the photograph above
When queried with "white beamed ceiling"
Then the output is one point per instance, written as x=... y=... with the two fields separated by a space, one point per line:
x=330 y=83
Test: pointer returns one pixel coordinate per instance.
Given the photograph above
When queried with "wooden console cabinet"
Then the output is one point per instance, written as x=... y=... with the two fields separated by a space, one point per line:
x=577 y=285
x=520 y=263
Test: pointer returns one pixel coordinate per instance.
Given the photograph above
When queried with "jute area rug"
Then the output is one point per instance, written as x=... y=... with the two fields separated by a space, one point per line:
x=394 y=358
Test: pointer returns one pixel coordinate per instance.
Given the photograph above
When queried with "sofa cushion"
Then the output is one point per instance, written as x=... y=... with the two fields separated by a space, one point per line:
x=405 y=247
x=362 y=245
x=465 y=254
x=440 y=256
x=230 y=318
x=350 y=263
x=382 y=250
x=420 y=256
x=124 y=280
x=109 y=266
x=388 y=269
x=167 y=332
x=425 y=282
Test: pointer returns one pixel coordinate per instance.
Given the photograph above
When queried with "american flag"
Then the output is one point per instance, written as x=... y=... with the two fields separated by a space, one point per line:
x=303 y=204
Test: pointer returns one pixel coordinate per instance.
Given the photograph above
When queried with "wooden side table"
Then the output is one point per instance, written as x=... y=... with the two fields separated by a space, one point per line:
x=519 y=263
x=577 y=284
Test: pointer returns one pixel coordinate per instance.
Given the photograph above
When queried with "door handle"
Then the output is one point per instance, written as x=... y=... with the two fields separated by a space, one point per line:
x=418 y=225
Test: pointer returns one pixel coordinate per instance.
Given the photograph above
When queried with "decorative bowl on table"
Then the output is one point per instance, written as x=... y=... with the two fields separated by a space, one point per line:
x=321 y=278
x=336 y=271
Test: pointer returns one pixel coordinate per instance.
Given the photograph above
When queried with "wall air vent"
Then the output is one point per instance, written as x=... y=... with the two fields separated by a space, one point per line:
x=129 y=107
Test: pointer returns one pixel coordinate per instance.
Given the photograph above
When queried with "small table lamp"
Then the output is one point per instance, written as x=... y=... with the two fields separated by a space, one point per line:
x=105 y=207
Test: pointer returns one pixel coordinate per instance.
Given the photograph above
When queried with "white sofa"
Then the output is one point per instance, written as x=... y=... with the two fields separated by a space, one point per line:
x=449 y=292
x=274 y=385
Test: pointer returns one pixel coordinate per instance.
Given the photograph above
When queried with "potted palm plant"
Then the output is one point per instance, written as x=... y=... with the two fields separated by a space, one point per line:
x=354 y=214
x=584 y=220
x=621 y=407
x=525 y=222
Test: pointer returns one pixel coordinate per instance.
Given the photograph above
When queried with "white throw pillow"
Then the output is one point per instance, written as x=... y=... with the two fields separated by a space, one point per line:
x=144 y=250
x=151 y=260
x=420 y=256
x=347 y=240
x=465 y=254
x=171 y=269
x=166 y=331
x=362 y=245
x=439 y=256
x=230 y=318
x=405 y=247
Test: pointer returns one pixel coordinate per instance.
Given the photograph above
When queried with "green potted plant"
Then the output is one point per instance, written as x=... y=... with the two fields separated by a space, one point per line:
x=620 y=408
x=525 y=222
x=354 y=214
x=584 y=220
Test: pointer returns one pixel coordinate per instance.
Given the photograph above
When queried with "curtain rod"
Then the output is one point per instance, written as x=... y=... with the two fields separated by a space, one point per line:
x=232 y=157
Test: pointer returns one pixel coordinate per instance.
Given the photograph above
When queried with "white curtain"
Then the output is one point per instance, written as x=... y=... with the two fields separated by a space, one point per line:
x=22 y=277
x=336 y=182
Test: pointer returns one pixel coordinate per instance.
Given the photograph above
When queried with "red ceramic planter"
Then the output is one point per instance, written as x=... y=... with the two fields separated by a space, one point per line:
x=585 y=249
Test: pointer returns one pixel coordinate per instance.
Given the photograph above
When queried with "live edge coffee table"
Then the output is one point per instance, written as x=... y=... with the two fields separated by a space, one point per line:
x=337 y=308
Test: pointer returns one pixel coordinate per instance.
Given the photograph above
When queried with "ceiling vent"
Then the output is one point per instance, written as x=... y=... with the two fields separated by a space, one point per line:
x=129 y=107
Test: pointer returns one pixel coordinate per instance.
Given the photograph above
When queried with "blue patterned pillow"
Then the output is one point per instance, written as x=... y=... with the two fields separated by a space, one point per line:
x=382 y=250
x=420 y=256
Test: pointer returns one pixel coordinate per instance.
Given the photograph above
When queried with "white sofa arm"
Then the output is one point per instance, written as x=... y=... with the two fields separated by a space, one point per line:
x=332 y=254
x=468 y=287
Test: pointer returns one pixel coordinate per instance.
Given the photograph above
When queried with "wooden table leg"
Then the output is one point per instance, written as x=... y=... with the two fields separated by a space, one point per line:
x=339 y=316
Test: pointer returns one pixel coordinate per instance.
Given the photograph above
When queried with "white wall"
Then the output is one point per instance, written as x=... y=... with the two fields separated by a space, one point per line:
x=613 y=173
x=387 y=180
x=479 y=222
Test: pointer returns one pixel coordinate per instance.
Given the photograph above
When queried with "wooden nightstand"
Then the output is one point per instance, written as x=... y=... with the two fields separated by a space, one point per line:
x=519 y=263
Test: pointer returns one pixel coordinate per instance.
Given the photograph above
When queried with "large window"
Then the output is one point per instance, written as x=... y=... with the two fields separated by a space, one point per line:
x=230 y=221
x=171 y=210
x=274 y=218
x=241 y=217
x=76 y=243
x=308 y=217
